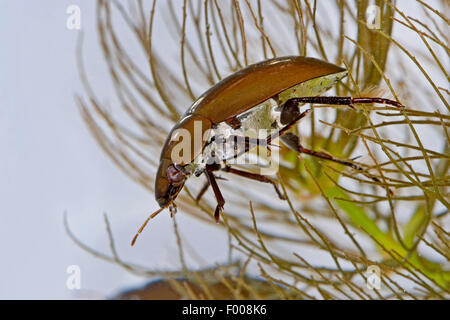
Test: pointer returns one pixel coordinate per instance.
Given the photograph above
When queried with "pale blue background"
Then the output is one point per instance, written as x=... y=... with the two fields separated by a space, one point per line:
x=49 y=164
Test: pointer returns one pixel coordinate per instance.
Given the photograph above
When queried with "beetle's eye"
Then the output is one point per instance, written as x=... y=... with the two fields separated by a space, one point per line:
x=175 y=175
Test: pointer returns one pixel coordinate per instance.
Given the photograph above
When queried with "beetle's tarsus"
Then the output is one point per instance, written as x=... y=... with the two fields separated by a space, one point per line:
x=378 y=100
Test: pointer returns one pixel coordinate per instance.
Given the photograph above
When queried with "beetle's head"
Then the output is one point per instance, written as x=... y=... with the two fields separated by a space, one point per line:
x=169 y=181
x=171 y=176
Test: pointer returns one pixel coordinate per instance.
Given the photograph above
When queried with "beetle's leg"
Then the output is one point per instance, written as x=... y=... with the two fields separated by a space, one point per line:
x=290 y=114
x=205 y=188
x=248 y=142
x=293 y=142
x=254 y=176
x=290 y=109
x=220 y=200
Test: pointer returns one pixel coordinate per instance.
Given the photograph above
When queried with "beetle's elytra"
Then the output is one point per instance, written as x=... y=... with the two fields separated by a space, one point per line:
x=236 y=94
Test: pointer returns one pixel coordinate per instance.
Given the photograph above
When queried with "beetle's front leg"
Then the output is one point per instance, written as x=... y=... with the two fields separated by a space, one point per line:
x=212 y=181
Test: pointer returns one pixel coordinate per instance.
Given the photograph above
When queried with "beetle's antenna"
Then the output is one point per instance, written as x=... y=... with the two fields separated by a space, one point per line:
x=154 y=214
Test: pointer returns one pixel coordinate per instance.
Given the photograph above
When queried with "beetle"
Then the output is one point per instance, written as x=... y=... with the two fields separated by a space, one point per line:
x=276 y=78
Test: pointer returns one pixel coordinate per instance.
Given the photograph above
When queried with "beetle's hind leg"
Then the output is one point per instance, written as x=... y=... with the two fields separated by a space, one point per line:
x=290 y=114
x=290 y=108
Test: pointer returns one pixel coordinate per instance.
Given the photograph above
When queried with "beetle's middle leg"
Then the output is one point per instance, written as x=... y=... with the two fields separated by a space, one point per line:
x=205 y=187
x=255 y=176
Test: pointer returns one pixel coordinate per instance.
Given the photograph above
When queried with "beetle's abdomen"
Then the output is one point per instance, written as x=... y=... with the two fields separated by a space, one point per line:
x=258 y=82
